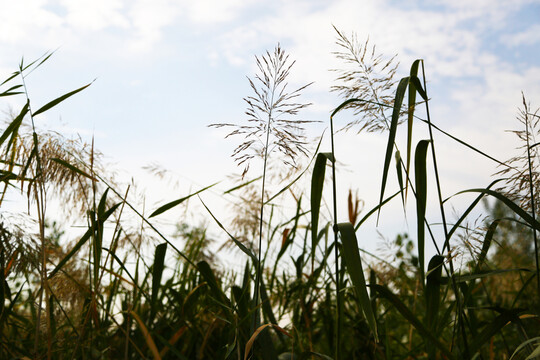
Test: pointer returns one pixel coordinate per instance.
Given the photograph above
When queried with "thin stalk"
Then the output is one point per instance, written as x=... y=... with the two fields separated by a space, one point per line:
x=338 y=285
x=39 y=192
x=256 y=296
x=533 y=212
x=443 y=216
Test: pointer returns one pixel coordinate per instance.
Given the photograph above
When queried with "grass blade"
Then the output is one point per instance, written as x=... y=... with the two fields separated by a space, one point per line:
x=157 y=272
x=353 y=262
x=147 y=337
x=59 y=100
x=400 y=93
x=174 y=203
x=421 y=196
x=411 y=318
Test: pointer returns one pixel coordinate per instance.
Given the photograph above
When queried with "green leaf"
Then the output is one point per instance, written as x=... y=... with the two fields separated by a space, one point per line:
x=411 y=318
x=487 y=243
x=421 y=196
x=410 y=118
x=400 y=176
x=398 y=100
x=351 y=254
x=72 y=167
x=174 y=203
x=433 y=297
x=241 y=185
x=59 y=100
x=241 y=246
x=14 y=126
x=317 y=182
x=210 y=279
x=375 y=209
x=513 y=206
x=493 y=328
x=157 y=272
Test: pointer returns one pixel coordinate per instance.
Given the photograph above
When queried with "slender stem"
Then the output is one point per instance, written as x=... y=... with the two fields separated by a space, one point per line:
x=336 y=259
x=443 y=216
x=533 y=212
x=256 y=295
x=39 y=191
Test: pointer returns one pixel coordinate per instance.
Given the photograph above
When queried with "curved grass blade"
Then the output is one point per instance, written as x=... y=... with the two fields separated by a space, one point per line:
x=353 y=262
x=249 y=344
x=72 y=168
x=147 y=337
x=410 y=118
x=14 y=126
x=241 y=185
x=157 y=272
x=421 y=196
x=317 y=182
x=400 y=177
x=411 y=318
x=241 y=246
x=433 y=298
x=487 y=243
x=493 y=328
x=376 y=208
x=174 y=203
x=400 y=93
x=513 y=206
x=59 y=100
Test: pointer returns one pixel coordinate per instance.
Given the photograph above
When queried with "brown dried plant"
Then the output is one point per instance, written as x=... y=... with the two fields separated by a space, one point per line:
x=518 y=177
x=368 y=76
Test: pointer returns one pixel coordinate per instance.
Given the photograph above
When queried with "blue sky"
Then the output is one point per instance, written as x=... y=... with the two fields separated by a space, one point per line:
x=166 y=69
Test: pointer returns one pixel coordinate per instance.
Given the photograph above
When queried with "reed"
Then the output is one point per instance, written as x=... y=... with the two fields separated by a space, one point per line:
x=308 y=289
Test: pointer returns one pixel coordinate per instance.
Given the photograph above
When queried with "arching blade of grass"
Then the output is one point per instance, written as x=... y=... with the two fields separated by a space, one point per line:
x=157 y=272
x=241 y=246
x=174 y=203
x=400 y=178
x=385 y=293
x=535 y=342
x=251 y=341
x=210 y=278
x=513 y=206
x=13 y=127
x=375 y=209
x=487 y=243
x=410 y=118
x=494 y=327
x=241 y=185
x=81 y=242
x=353 y=262
x=465 y=214
x=147 y=337
x=72 y=168
x=317 y=182
x=59 y=100
x=400 y=93
x=433 y=297
x=421 y=196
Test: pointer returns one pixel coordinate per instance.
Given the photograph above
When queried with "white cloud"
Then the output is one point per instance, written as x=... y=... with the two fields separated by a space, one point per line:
x=95 y=15
x=20 y=21
x=529 y=36
x=215 y=11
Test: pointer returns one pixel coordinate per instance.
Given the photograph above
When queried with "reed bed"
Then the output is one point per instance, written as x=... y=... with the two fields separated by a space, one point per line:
x=99 y=297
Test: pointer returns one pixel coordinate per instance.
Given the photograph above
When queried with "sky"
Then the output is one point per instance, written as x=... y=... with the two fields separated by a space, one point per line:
x=164 y=70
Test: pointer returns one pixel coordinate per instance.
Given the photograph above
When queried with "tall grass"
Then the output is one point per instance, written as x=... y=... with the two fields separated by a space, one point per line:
x=316 y=297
